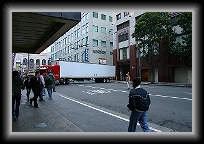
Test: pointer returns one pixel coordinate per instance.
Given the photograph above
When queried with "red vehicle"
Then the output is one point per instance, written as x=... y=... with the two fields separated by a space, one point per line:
x=55 y=69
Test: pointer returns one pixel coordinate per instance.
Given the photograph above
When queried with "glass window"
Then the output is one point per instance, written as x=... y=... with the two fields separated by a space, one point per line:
x=103 y=29
x=126 y=14
x=118 y=16
x=103 y=17
x=111 y=44
x=103 y=43
x=95 y=14
x=95 y=28
x=95 y=42
x=111 y=31
x=110 y=19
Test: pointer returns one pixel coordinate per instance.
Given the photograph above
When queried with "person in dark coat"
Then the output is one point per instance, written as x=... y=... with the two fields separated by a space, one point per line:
x=35 y=86
x=27 y=86
x=139 y=113
x=51 y=85
x=17 y=86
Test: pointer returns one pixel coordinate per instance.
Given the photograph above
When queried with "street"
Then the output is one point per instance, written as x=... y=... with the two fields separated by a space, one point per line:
x=102 y=107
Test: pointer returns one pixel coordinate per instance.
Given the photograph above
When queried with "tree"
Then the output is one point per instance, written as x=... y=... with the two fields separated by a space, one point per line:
x=153 y=34
x=184 y=48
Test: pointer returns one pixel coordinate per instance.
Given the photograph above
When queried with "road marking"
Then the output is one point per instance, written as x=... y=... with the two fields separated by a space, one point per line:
x=170 y=97
x=100 y=110
x=109 y=91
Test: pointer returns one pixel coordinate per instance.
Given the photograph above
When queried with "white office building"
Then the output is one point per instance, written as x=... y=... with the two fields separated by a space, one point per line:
x=91 y=40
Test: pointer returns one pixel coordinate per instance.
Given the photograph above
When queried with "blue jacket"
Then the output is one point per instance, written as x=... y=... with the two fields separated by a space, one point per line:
x=139 y=99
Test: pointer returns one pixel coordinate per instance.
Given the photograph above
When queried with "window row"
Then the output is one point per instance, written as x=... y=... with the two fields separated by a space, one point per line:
x=103 y=43
x=118 y=16
x=103 y=16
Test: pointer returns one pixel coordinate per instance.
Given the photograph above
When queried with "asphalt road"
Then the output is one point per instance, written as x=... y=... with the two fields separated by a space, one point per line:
x=101 y=107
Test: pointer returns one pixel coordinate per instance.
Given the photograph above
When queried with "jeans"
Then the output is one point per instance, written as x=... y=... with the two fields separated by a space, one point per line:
x=16 y=98
x=42 y=93
x=142 y=118
x=49 y=91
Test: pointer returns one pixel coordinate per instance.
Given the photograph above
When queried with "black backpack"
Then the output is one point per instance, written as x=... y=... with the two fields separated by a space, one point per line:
x=49 y=80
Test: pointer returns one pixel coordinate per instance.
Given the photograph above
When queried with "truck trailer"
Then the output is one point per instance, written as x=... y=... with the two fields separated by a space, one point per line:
x=65 y=71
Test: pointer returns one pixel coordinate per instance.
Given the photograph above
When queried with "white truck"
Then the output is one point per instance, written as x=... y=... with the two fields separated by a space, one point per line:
x=65 y=71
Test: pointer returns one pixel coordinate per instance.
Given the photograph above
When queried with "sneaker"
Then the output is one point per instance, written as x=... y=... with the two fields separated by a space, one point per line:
x=50 y=98
x=41 y=100
x=54 y=91
x=36 y=106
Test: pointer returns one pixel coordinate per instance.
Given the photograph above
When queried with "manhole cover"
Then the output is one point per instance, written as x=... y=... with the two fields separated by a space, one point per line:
x=40 y=125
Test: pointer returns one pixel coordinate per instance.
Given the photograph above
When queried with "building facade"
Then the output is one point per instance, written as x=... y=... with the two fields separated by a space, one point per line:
x=127 y=59
x=24 y=62
x=91 y=40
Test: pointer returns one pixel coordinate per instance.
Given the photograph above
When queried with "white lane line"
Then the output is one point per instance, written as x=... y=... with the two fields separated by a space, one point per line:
x=127 y=120
x=94 y=108
x=170 y=97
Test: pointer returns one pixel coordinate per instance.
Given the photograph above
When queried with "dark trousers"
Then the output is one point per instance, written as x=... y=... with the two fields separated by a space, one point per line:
x=28 y=93
x=16 y=98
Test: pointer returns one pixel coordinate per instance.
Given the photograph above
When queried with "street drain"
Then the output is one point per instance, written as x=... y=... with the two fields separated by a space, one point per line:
x=40 y=125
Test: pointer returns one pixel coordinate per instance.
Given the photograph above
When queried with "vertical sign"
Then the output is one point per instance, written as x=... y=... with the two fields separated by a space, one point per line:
x=86 y=55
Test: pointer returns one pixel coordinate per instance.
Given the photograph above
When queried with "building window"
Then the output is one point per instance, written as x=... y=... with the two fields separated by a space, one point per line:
x=95 y=43
x=110 y=19
x=95 y=14
x=103 y=43
x=123 y=37
x=95 y=28
x=103 y=30
x=126 y=14
x=111 y=31
x=123 y=53
x=118 y=16
x=111 y=44
x=103 y=17
x=123 y=25
x=43 y=62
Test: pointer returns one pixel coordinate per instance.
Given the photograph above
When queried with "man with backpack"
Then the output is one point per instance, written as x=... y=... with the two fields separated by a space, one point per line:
x=139 y=102
x=49 y=83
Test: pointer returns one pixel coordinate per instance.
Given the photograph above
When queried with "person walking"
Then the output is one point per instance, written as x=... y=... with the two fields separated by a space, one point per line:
x=35 y=86
x=27 y=86
x=128 y=80
x=42 y=87
x=139 y=112
x=17 y=86
x=49 y=83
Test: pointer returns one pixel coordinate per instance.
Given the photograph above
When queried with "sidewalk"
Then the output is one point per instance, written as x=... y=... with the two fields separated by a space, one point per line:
x=43 y=119
x=163 y=84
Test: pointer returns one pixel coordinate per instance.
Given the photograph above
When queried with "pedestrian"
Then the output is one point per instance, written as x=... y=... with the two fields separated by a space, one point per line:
x=42 y=87
x=27 y=86
x=139 y=112
x=128 y=80
x=35 y=86
x=49 y=83
x=17 y=86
